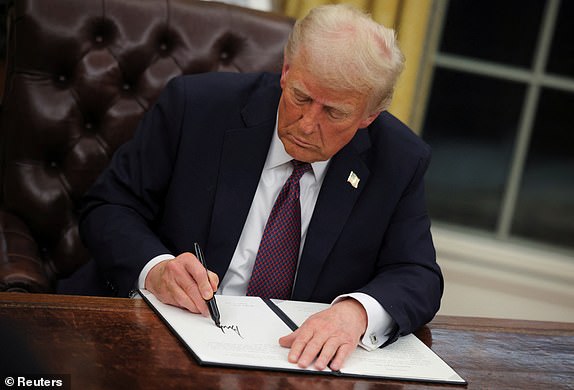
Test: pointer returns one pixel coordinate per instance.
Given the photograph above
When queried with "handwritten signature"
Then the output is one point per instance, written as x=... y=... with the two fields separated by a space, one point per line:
x=234 y=328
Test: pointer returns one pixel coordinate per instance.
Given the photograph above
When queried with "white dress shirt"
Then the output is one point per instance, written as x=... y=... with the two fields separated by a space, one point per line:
x=276 y=170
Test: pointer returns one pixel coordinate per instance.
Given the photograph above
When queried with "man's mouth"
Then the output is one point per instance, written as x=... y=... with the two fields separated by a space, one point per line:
x=301 y=143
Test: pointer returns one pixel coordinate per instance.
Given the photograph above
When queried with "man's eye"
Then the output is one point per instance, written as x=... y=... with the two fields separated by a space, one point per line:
x=336 y=114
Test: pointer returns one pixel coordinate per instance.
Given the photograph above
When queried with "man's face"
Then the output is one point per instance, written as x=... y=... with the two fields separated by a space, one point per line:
x=315 y=121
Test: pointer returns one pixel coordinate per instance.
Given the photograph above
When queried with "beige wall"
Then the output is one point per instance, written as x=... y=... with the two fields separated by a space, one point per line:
x=488 y=278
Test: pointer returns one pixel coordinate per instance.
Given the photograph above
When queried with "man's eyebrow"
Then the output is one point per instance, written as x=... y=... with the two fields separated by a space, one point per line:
x=300 y=91
x=343 y=109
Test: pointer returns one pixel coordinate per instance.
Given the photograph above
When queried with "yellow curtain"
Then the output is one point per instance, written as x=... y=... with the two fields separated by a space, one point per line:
x=409 y=18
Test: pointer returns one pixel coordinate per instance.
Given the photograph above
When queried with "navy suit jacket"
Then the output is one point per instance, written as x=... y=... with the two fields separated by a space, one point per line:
x=192 y=169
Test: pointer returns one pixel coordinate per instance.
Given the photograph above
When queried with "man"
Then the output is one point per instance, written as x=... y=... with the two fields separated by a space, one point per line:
x=209 y=160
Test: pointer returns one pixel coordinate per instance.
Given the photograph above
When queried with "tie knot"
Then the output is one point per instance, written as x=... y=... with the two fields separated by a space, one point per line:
x=299 y=168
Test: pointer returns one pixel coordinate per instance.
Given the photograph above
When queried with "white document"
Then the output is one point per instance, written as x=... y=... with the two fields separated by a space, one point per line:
x=249 y=337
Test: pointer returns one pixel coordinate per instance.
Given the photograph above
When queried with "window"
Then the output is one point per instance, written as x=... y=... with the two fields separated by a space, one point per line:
x=500 y=119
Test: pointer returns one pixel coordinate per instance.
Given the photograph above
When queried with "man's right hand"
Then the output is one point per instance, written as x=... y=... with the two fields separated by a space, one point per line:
x=183 y=282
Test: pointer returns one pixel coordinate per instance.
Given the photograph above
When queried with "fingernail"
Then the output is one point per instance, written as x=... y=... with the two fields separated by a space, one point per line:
x=207 y=294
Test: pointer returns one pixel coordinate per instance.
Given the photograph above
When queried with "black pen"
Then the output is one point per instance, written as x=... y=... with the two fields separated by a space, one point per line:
x=211 y=303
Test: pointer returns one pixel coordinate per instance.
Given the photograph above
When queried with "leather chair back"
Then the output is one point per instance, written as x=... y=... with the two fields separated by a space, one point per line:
x=79 y=75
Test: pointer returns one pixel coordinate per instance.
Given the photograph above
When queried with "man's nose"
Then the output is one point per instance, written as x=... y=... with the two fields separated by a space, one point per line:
x=310 y=117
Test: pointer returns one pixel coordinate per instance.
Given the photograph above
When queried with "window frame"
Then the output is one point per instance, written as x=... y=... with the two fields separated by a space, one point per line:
x=535 y=79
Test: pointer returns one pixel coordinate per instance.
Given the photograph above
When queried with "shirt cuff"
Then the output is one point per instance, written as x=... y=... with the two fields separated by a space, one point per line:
x=152 y=263
x=379 y=323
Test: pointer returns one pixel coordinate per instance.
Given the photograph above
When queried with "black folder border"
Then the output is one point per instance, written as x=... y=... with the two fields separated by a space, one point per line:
x=281 y=314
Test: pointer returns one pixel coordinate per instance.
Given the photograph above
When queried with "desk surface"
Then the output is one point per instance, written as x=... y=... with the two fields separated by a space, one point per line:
x=107 y=343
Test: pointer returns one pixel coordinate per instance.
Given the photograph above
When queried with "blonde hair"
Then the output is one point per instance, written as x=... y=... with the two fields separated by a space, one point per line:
x=345 y=48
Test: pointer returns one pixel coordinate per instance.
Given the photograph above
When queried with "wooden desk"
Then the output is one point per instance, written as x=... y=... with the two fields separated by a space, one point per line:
x=120 y=344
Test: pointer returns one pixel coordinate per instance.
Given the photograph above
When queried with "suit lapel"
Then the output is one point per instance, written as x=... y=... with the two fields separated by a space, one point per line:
x=243 y=156
x=334 y=204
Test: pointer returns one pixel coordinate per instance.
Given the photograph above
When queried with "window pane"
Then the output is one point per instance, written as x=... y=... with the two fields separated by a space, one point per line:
x=545 y=207
x=470 y=124
x=561 y=59
x=493 y=30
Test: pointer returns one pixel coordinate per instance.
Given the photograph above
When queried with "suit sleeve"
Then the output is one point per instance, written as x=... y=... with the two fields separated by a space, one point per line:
x=408 y=282
x=118 y=213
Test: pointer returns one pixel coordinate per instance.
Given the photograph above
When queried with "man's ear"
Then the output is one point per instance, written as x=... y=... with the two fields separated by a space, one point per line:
x=284 y=71
x=368 y=120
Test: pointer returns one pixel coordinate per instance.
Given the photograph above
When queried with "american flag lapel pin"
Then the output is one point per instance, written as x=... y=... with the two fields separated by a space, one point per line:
x=353 y=179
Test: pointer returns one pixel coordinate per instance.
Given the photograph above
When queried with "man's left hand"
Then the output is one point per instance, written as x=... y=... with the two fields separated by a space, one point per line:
x=329 y=336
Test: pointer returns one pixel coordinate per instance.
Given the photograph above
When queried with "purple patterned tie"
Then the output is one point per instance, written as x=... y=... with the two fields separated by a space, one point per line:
x=274 y=270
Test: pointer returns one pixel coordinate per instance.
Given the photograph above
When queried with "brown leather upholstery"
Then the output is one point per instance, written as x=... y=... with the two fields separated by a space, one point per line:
x=80 y=73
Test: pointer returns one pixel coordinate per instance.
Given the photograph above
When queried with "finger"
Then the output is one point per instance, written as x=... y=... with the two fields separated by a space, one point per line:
x=298 y=342
x=310 y=352
x=181 y=285
x=178 y=297
x=286 y=341
x=196 y=303
x=214 y=280
x=343 y=352
x=199 y=275
x=172 y=283
x=327 y=352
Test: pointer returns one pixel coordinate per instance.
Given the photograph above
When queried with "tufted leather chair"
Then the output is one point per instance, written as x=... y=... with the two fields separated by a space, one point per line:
x=79 y=75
